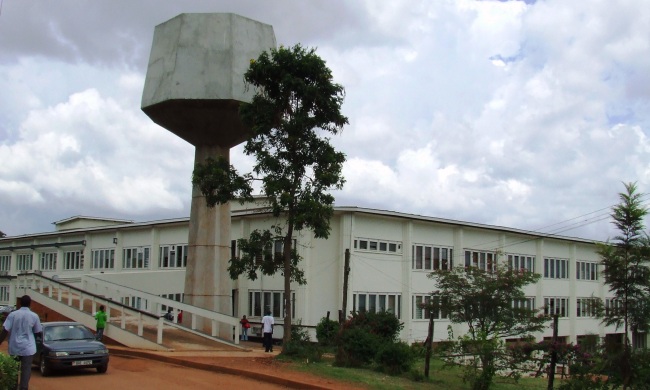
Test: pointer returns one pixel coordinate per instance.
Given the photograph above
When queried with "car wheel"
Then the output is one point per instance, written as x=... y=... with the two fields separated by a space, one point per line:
x=44 y=367
x=102 y=369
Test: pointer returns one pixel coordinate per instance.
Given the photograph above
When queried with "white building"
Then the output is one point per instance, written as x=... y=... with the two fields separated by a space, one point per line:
x=391 y=255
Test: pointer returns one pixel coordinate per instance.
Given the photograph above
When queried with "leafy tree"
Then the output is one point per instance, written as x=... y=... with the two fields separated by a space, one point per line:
x=626 y=271
x=2 y=234
x=484 y=302
x=295 y=103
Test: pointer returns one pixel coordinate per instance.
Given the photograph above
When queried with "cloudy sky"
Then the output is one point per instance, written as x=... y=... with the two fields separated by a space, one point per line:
x=521 y=114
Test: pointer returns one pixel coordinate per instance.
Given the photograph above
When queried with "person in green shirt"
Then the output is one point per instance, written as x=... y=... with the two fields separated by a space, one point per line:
x=101 y=318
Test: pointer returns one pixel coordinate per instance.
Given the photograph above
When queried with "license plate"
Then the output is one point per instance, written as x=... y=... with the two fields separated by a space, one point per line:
x=82 y=363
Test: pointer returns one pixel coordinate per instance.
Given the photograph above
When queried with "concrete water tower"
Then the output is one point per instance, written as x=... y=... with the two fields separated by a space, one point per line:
x=193 y=88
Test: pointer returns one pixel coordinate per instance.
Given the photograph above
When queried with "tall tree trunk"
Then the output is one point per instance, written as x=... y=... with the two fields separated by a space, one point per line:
x=288 y=305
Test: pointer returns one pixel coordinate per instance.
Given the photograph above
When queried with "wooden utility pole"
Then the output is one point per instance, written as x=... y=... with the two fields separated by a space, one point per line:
x=346 y=274
x=427 y=358
x=551 y=369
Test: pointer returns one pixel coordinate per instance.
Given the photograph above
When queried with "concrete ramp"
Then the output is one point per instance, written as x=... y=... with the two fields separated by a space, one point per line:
x=128 y=326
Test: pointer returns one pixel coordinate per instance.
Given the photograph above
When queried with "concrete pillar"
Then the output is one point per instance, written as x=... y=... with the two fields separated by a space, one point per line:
x=194 y=87
x=207 y=282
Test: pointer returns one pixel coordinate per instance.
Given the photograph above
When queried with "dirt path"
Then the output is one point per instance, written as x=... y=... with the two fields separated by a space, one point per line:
x=126 y=373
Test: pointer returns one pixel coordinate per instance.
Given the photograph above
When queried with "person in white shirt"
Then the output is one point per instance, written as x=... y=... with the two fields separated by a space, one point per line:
x=267 y=329
x=21 y=325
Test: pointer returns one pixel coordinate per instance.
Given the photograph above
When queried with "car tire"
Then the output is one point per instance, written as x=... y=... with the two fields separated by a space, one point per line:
x=102 y=369
x=44 y=367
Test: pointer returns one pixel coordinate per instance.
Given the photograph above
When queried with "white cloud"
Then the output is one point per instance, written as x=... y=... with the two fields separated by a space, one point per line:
x=91 y=149
x=509 y=113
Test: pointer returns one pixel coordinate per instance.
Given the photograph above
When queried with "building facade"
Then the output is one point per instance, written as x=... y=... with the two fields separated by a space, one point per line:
x=391 y=254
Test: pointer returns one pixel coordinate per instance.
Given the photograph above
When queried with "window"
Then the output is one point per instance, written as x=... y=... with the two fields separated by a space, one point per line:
x=259 y=302
x=588 y=342
x=377 y=302
x=639 y=340
x=274 y=249
x=104 y=259
x=178 y=297
x=613 y=306
x=586 y=270
x=48 y=261
x=136 y=258
x=419 y=313
x=556 y=268
x=586 y=307
x=135 y=302
x=73 y=260
x=521 y=262
x=524 y=303
x=24 y=262
x=485 y=261
x=173 y=256
x=374 y=245
x=556 y=305
x=4 y=293
x=431 y=258
x=5 y=263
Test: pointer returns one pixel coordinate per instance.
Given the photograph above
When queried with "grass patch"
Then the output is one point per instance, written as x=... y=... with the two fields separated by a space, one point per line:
x=448 y=378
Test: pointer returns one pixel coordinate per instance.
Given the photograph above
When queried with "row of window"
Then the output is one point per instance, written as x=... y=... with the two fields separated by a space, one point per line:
x=262 y=302
x=424 y=257
x=378 y=302
x=424 y=307
x=366 y=244
x=585 y=307
x=178 y=297
x=171 y=256
x=432 y=258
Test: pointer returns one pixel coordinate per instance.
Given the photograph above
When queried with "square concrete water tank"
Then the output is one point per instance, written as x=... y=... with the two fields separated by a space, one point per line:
x=195 y=77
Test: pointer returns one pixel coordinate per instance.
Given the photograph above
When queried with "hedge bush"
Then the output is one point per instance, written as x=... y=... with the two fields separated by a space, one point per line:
x=8 y=372
x=395 y=358
x=357 y=347
x=326 y=331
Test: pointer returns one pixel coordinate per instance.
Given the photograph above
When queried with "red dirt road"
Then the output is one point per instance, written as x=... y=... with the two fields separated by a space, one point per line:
x=129 y=373
x=125 y=373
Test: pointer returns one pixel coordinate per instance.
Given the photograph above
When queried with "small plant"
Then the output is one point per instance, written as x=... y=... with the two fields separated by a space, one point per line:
x=416 y=375
x=8 y=372
x=395 y=358
x=300 y=346
x=326 y=331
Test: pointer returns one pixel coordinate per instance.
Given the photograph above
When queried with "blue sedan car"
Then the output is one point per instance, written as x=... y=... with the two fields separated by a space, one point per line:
x=69 y=345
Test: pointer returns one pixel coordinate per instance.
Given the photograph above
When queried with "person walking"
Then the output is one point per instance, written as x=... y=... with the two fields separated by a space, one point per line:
x=101 y=318
x=21 y=325
x=267 y=329
x=244 y=328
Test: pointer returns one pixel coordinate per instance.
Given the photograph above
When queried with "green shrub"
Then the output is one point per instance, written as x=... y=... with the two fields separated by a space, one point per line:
x=416 y=375
x=8 y=372
x=640 y=369
x=326 y=331
x=300 y=346
x=382 y=324
x=394 y=358
x=418 y=350
x=357 y=347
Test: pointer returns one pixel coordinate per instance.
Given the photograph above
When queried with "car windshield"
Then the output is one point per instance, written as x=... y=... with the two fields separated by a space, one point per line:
x=67 y=332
